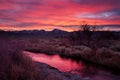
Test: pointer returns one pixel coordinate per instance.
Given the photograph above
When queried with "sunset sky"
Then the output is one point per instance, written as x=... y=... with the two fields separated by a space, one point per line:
x=61 y=14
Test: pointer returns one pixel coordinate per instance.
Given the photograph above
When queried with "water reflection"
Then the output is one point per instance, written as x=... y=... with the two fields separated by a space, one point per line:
x=56 y=61
x=68 y=65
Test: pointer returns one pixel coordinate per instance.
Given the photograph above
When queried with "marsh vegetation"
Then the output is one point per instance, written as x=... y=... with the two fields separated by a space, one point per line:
x=95 y=47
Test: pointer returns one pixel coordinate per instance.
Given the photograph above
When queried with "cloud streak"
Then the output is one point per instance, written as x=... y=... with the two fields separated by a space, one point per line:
x=48 y=14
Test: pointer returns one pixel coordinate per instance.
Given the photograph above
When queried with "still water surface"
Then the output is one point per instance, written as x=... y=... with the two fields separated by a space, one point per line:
x=72 y=66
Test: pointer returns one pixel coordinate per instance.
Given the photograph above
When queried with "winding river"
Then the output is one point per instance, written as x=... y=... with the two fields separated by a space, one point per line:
x=69 y=65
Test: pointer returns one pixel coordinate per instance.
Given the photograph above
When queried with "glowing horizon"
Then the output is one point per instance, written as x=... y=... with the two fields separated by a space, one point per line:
x=50 y=14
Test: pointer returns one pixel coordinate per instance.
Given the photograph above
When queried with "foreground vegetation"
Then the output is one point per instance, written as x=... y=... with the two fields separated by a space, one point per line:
x=14 y=65
x=107 y=55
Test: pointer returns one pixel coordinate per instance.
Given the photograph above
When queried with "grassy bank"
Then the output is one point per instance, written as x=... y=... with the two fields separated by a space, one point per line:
x=14 y=65
x=108 y=55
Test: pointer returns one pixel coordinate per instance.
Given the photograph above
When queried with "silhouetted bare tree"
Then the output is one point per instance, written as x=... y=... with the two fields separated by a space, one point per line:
x=85 y=35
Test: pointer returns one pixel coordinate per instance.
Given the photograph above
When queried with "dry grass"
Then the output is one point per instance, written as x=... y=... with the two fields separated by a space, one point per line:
x=64 y=49
x=14 y=65
x=22 y=68
x=108 y=57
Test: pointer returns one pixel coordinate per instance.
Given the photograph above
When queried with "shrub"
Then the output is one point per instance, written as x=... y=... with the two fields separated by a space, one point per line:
x=108 y=57
x=116 y=47
x=103 y=53
x=85 y=52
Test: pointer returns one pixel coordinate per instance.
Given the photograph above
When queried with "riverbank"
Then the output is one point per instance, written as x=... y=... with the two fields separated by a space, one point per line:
x=14 y=65
x=47 y=72
x=104 y=56
x=80 y=67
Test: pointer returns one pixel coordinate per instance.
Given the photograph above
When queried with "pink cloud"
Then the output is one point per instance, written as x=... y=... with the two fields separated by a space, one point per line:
x=58 y=12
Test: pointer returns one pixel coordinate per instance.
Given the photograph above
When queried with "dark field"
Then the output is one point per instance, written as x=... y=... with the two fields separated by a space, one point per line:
x=98 y=48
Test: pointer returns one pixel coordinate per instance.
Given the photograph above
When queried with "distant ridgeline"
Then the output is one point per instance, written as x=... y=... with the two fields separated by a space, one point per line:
x=47 y=34
x=35 y=33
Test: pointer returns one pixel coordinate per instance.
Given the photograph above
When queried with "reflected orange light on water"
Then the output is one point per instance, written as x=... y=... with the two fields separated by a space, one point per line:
x=56 y=61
